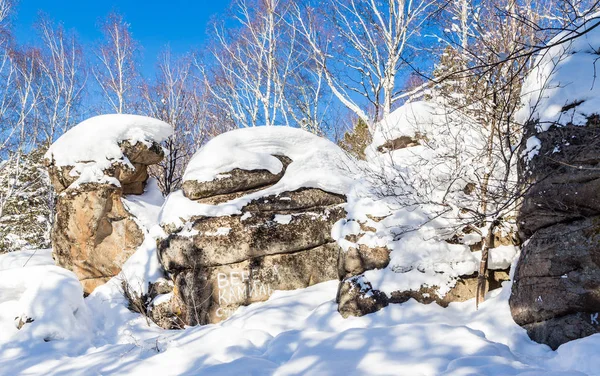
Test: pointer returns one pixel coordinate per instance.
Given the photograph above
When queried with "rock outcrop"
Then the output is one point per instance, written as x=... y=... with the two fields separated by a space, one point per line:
x=280 y=239
x=556 y=289
x=94 y=233
x=556 y=292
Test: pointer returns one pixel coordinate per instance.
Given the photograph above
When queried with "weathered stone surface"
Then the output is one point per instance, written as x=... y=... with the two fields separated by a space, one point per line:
x=279 y=242
x=563 y=179
x=233 y=181
x=556 y=292
x=359 y=299
x=211 y=294
x=302 y=199
x=226 y=240
x=398 y=143
x=93 y=234
x=356 y=261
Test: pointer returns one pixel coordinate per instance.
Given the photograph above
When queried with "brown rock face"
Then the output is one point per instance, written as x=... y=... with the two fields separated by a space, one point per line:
x=556 y=291
x=211 y=294
x=278 y=243
x=94 y=234
x=227 y=240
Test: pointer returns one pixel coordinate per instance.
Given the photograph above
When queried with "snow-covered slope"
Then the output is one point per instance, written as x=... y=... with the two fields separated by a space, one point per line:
x=413 y=198
x=295 y=332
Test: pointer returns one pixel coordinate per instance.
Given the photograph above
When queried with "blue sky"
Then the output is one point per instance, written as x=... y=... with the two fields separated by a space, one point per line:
x=181 y=24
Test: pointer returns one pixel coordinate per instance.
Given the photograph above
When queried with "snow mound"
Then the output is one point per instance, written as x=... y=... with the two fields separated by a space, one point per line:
x=561 y=88
x=92 y=146
x=47 y=301
x=301 y=332
x=316 y=163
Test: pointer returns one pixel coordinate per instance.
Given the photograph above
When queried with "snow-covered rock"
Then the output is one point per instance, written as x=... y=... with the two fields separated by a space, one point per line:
x=113 y=149
x=93 y=166
x=255 y=215
x=405 y=235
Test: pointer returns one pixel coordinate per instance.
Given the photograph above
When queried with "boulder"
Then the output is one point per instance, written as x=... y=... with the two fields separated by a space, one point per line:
x=556 y=290
x=92 y=167
x=278 y=243
x=236 y=180
x=563 y=179
x=251 y=228
x=357 y=296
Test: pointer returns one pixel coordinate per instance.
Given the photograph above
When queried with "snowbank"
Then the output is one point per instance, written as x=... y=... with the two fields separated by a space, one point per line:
x=561 y=88
x=301 y=332
x=316 y=163
x=46 y=300
x=92 y=146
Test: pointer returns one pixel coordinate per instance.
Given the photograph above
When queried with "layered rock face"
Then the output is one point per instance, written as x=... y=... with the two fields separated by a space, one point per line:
x=279 y=241
x=556 y=292
x=94 y=233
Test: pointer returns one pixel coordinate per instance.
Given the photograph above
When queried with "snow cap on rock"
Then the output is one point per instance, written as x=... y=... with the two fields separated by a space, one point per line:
x=93 y=145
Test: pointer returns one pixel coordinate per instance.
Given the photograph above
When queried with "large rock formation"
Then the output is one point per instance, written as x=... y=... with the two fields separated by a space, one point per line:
x=556 y=290
x=254 y=226
x=94 y=233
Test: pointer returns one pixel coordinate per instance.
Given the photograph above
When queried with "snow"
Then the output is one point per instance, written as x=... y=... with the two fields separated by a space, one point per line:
x=143 y=266
x=283 y=219
x=316 y=163
x=294 y=332
x=532 y=148
x=48 y=298
x=561 y=88
x=92 y=146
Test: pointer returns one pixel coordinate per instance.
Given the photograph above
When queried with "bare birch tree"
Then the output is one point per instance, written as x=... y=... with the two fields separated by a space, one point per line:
x=116 y=71
x=63 y=74
x=178 y=98
x=361 y=46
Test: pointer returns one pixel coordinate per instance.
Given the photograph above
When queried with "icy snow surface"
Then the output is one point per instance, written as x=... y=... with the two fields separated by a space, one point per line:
x=316 y=163
x=294 y=332
x=93 y=145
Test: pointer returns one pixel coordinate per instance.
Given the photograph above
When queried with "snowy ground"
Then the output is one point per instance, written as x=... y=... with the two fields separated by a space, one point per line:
x=295 y=332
